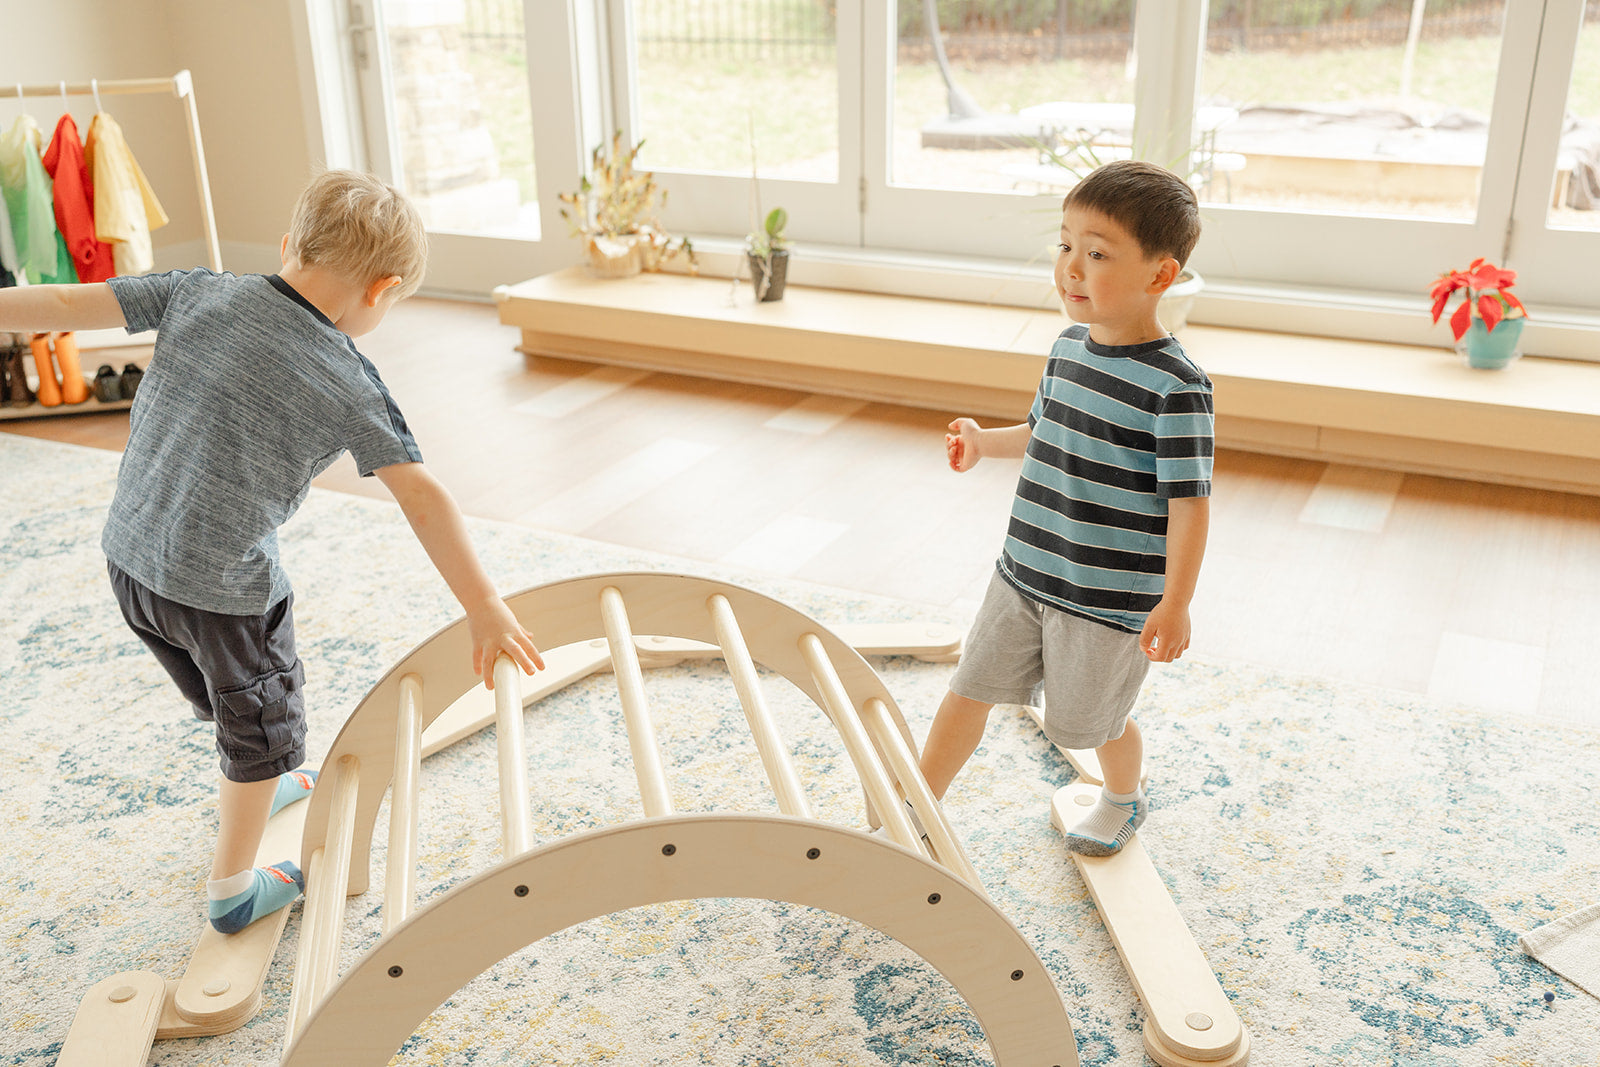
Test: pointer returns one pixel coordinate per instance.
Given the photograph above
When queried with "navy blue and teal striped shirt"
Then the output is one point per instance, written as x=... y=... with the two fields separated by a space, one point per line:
x=1117 y=432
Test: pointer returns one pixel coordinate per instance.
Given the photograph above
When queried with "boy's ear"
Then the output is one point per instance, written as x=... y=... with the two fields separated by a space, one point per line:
x=1167 y=271
x=379 y=287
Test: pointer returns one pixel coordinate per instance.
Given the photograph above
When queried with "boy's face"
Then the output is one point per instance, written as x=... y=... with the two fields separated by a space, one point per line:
x=1106 y=280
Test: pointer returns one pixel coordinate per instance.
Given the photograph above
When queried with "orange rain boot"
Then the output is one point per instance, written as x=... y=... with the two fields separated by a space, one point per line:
x=74 y=390
x=49 y=388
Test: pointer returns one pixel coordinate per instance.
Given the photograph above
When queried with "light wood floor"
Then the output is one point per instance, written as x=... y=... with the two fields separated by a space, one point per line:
x=1467 y=592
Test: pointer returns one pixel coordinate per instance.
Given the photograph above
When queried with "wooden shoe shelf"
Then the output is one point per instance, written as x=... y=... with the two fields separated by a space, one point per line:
x=92 y=358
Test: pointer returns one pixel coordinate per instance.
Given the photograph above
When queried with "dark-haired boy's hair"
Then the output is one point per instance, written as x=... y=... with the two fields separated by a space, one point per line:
x=1155 y=206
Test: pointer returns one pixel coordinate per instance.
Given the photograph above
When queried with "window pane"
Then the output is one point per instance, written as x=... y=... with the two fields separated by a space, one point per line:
x=720 y=78
x=981 y=100
x=1356 y=108
x=1575 y=200
x=461 y=115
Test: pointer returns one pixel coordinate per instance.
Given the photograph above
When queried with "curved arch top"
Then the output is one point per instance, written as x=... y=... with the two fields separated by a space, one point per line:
x=386 y=995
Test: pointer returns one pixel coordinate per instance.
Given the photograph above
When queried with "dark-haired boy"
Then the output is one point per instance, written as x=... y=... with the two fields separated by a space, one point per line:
x=1108 y=526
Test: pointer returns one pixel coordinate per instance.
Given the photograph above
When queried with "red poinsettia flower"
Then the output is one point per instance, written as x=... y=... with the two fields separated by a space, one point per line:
x=1487 y=295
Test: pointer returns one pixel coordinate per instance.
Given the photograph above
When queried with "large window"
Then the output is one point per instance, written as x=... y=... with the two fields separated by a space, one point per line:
x=1361 y=148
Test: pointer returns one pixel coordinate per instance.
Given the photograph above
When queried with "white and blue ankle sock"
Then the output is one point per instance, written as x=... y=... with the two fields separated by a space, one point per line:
x=1109 y=825
x=239 y=900
x=293 y=786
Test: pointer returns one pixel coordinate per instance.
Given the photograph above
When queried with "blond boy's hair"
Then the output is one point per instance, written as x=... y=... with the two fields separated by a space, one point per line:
x=360 y=228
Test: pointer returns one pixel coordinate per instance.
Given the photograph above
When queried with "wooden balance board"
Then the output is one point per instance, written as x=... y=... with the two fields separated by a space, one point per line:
x=1189 y=1021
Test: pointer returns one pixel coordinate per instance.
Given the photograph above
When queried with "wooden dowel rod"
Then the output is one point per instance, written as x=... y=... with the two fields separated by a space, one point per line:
x=873 y=778
x=516 y=825
x=323 y=914
x=903 y=765
x=635 y=708
x=774 y=754
x=300 y=1003
x=400 y=870
x=176 y=86
x=333 y=886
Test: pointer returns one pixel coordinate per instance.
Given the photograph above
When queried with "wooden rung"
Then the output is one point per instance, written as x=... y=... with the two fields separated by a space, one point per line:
x=400 y=868
x=946 y=849
x=327 y=876
x=869 y=769
x=116 y=1022
x=221 y=986
x=1186 y=1012
x=774 y=754
x=516 y=825
x=635 y=708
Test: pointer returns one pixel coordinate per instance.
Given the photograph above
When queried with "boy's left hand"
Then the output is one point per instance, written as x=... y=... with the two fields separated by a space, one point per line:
x=1166 y=632
x=495 y=630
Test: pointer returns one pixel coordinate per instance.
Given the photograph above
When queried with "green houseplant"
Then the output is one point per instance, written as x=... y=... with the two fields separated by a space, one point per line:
x=768 y=252
x=614 y=212
x=1488 y=322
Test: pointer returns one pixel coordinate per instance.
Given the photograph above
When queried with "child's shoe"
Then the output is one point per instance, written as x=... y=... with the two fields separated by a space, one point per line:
x=73 y=389
x=17 y=392
x=107 y=386
x=49 y=387
x=131 y=377
x=1109 y=825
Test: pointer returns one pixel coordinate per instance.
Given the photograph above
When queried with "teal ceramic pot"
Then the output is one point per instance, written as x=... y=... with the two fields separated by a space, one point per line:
x=1491 y=349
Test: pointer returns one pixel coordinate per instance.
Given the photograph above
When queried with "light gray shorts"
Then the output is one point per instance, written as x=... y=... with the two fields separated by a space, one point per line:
x=1020 y=651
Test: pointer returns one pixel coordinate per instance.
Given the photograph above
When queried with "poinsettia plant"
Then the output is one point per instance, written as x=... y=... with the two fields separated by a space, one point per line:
x=1488 y=296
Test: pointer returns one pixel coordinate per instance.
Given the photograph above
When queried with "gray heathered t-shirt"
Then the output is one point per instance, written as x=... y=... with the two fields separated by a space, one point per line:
x=251 y=393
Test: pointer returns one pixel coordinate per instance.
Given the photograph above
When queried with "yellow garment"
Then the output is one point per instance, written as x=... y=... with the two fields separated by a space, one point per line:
x=125 y=207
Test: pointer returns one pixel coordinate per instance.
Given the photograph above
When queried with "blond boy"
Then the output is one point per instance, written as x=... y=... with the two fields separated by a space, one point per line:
x=1108 y=525
x=255 y=388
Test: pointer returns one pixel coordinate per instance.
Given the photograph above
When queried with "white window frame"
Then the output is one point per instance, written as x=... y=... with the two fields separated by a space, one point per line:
x=1367 y=277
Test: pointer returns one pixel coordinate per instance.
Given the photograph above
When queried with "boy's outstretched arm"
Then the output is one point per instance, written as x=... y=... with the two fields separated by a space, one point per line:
x=39 y=308
x=967 y=442
x=1166 y=630
x=437 y=522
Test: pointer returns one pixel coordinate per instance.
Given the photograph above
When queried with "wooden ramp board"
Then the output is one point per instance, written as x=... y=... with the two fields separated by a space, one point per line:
x=474 y=709
x=221 y=988
x=1188 y=1019
x=116 y=1022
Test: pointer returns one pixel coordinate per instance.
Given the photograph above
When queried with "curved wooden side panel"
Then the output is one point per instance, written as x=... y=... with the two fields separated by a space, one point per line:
x=387 y=994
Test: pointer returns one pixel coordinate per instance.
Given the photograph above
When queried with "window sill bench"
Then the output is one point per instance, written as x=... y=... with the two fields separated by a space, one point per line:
x=1403 y=407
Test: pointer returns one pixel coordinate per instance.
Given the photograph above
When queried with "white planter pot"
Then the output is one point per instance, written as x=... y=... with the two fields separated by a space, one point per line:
x=1173 y=310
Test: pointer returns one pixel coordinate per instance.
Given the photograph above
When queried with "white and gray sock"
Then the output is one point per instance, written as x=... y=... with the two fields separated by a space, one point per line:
x=1109 y=824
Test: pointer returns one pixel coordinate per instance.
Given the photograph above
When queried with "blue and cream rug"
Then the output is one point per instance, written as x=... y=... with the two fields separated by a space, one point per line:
x=1356 y=865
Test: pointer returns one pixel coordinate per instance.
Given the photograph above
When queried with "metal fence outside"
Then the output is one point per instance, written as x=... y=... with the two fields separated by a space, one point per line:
x=999 y=30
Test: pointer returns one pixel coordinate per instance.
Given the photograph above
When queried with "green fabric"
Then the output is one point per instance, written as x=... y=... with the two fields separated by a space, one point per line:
x=30 y=200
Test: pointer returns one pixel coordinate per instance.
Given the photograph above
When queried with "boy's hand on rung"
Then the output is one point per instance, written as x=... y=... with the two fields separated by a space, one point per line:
x=495 y=630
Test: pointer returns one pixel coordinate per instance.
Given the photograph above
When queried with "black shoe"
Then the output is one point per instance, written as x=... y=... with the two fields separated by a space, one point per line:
x=131 y=377
x=107 y=386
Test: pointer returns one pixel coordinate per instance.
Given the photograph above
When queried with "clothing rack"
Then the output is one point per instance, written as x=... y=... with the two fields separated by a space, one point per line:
x=180 y=85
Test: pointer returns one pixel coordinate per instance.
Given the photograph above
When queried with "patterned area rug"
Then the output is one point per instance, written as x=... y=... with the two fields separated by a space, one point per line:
x=1356 y=865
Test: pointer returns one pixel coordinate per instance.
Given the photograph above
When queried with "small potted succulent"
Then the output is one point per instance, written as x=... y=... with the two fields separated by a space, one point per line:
x=614 y=212
x=768 y=252
x=1488 y=323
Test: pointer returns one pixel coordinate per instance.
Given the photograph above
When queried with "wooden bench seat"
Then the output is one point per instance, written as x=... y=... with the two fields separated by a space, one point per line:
x=1405 y=407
